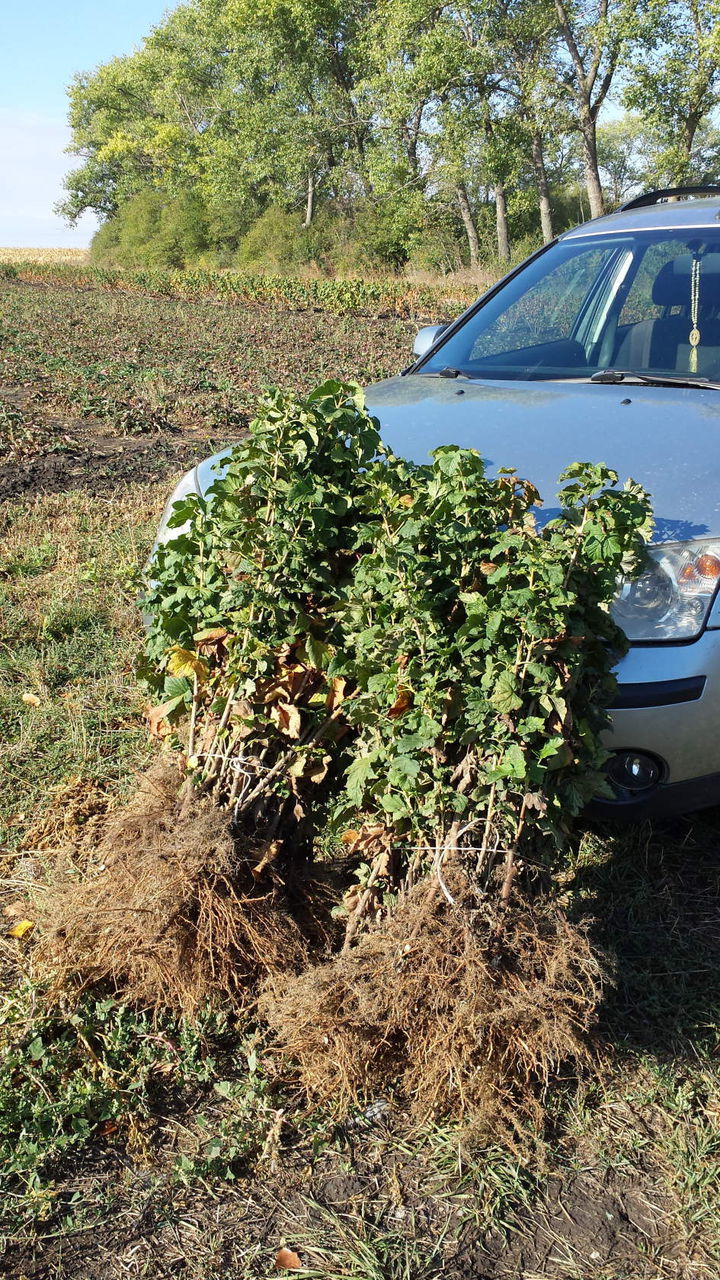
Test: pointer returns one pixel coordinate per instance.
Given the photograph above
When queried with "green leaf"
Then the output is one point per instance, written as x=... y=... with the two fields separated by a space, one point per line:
x=360 y=772
x=403 y=769
x=317 y=653
x=504 y=696
x=36 y=1049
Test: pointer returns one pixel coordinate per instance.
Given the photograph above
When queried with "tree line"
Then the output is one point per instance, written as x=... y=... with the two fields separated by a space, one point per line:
x=360 y=133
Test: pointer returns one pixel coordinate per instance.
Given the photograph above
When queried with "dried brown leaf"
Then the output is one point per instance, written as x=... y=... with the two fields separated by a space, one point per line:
x=157 y=724
x=210 y=635
x=212 y=640
x=534 y=800
x=14 y=909
x=287 y=718
x=318 y=770
x=288 y=1260
x=402 y=703
x=336 y=692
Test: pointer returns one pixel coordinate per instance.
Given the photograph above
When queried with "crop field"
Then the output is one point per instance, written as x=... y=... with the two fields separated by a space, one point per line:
x=133 y=1145
x=72 y=256
x=377 y=297
x=165 y=376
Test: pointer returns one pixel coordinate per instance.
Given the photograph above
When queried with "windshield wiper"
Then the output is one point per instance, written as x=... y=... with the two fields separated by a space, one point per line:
x=653 y=379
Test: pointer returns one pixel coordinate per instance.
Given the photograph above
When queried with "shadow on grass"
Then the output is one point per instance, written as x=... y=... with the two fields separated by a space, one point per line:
x=654 y=891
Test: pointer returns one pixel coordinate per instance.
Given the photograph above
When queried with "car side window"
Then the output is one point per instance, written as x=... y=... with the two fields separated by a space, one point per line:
x=639 y=305
x=548 y=311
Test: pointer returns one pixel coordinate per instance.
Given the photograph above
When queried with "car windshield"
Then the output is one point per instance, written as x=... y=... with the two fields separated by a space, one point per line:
x=645 y=302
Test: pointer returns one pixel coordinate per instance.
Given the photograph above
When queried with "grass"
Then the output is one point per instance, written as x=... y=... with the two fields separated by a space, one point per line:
x=132 y=1146
x=362 y=1250
x=70 y=630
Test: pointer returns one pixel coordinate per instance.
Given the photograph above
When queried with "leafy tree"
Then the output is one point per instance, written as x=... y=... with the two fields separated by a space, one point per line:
x=595 y=35
x=525 y=36
x=247 y=98
x=676 y=84
x=444 y=60
x=621 y=149
x=364 y=128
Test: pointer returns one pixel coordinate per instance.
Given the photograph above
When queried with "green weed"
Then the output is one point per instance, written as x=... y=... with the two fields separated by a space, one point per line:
x=353 y=1247
x=101 y=1074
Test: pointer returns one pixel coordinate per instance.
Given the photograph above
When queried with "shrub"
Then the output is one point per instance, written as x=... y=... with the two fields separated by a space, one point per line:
x=464 y=651
x=385 y=683
x=278 y=241
x=153 y=230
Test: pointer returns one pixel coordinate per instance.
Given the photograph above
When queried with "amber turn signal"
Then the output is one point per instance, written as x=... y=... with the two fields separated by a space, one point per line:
x=708 y=566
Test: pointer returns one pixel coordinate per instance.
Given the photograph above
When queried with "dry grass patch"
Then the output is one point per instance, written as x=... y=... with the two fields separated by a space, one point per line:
x=75 y=814
x=69 y=704
x=66 y=547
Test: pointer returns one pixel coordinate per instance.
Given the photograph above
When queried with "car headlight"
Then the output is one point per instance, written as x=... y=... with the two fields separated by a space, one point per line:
x=671 y=598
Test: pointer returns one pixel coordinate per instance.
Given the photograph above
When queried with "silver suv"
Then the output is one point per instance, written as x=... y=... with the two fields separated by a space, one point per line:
x=604 y=346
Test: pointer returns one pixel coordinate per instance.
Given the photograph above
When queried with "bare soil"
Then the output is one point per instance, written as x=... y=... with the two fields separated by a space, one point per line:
x=584 y=1226
x=79 y=453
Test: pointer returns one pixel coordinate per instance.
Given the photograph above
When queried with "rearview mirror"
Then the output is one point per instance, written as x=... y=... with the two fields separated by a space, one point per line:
x=425 y=337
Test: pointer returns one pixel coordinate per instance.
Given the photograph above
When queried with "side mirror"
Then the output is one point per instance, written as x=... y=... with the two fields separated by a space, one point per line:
x=425 y=337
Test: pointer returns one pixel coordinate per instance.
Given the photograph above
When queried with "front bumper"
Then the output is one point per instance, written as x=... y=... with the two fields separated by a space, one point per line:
x=668 y=706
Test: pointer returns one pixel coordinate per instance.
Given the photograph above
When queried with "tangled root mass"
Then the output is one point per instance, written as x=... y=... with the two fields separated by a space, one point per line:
x=469 y=1014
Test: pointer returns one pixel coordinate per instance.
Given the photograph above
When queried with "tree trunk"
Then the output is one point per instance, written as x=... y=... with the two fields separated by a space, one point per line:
x=501 y=219
x=469 y=224
x=689 y=129
x=543 y=187
x=310 y=204
x=590 y=162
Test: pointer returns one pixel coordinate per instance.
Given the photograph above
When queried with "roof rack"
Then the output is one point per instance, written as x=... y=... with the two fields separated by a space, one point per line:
x=668 y=193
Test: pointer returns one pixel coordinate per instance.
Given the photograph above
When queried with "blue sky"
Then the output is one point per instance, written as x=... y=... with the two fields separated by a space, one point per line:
x=42 y=44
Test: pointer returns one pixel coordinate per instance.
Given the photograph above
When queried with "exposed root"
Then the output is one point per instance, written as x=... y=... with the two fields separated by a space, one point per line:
x=175 y=916
x=470 y=1011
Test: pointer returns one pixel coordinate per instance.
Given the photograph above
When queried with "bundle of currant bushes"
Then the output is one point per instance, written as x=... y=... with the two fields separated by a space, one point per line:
x=358 y=653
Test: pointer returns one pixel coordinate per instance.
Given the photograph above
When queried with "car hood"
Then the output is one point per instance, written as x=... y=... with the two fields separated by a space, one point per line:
x=667 y=438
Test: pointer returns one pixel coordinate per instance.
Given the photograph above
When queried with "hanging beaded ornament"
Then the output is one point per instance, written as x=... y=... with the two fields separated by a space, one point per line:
x=694 y=336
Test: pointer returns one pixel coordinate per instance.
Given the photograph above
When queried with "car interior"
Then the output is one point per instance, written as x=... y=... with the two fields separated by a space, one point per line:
x=630 y=303
x=662 y=342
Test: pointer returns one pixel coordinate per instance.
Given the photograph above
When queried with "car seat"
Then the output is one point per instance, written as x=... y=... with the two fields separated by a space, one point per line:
x=662 y=343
